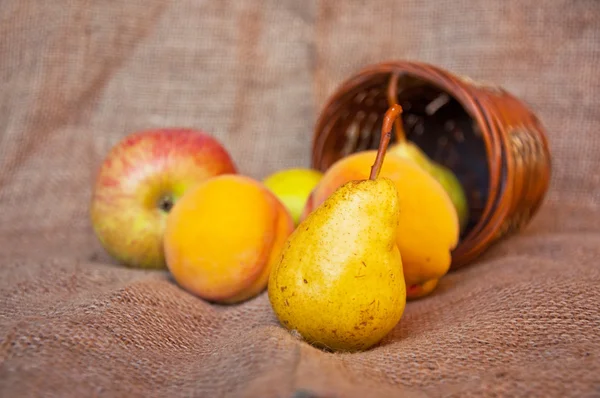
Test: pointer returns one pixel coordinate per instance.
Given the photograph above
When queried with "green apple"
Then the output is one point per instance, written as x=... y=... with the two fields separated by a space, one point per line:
x=292 y=187
x=138 y=183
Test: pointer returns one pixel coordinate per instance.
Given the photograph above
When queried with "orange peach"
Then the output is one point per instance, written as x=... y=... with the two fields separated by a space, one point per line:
x=428 y=228
x=223 y=236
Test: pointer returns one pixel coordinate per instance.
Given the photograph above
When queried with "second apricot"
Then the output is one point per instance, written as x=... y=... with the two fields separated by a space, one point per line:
x=428 y=228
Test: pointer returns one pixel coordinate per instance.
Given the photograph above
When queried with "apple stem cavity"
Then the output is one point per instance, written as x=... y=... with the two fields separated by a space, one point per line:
x=391 y=115
x=165 y=203
x=392 y=97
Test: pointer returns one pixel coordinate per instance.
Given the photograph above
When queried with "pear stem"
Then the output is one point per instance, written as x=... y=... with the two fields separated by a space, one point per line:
x=386 y=133
x=392 y=97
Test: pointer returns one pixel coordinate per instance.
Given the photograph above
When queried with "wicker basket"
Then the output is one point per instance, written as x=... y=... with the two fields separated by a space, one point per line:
x=494 y=144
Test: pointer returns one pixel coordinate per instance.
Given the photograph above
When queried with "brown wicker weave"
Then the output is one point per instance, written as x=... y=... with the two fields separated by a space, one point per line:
x=491 y=140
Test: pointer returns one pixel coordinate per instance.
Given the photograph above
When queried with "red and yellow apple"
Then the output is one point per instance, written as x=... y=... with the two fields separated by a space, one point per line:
x=138 y=183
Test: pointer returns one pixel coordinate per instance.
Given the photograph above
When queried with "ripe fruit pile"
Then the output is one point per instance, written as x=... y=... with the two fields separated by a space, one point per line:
x=340 y=252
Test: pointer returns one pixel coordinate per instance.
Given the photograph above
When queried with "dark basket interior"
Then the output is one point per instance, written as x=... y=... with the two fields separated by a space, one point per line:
x=432 y=118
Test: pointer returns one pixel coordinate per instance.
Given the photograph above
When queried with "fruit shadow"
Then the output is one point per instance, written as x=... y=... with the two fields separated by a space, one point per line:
x=103 y=259
x=100 y=257
x=410 y=325
x=415 y=319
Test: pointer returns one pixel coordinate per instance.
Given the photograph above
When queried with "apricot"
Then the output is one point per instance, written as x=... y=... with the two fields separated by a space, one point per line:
x=223 y=237
x=428 y=229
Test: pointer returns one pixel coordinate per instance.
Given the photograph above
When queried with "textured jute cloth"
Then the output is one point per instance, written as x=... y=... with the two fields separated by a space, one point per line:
x=77 y=76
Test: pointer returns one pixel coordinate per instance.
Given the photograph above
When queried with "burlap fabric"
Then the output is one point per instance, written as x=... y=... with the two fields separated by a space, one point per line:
x=77 y=76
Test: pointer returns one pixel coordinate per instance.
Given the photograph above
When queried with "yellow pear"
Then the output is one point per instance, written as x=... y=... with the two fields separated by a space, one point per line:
x=339 y=282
